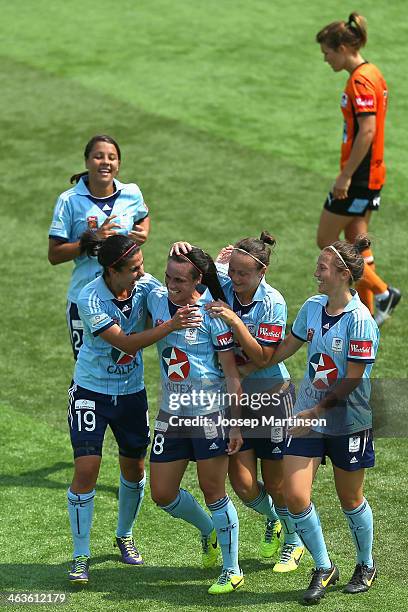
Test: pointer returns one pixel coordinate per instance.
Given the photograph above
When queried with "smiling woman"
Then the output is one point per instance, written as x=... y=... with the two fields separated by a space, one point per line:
x=100 y=203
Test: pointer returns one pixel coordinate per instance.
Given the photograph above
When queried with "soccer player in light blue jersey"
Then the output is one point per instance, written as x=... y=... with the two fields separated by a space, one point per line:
x=333 y=402
x=197 y=369
x=257 y=315
x=98 y=201
x=108 y=389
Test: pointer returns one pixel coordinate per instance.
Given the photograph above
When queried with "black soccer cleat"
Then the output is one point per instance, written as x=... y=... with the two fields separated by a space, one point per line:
x=321 y=580
x=387 y=305
x=362 y=578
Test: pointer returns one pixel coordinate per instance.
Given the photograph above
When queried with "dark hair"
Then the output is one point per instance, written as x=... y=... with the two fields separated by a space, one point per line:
x=352 y=33
x=113 y=252
x=351 y=253
x=88 y=148
x=202 y=263
x=258 y=248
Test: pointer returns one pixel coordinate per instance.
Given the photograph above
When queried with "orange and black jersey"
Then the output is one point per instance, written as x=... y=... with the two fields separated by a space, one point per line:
x=365 y=94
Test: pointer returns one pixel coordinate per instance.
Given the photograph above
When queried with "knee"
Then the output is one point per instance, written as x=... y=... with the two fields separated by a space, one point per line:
x=349 y=501
x=246 y=491
x=212 y=491
x=296 y=501
x=162 y=497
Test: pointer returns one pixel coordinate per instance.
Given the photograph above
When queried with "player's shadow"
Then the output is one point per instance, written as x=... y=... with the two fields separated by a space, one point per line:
x=178 y=586
x=40 y=478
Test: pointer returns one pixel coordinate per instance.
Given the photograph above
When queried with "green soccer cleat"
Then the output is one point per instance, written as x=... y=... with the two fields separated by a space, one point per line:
x=289 y=559
x=79 y=573
x=321 y=580
x=210 y=549
x=361 y=580
x=270 y=542
x=226 y=583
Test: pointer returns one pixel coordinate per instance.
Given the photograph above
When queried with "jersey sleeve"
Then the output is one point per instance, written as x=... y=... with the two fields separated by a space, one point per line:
x=221 y=335
x=299 y=327
x=222 y=273
x=142 y=210
x=272 y=323
x=147 y=283
x=92 y=312
x=363 y=341
x=362 y=96
x=60 y=227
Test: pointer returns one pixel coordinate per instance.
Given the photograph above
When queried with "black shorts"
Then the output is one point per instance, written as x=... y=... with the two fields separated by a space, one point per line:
x=358 y=202
x=89 y=414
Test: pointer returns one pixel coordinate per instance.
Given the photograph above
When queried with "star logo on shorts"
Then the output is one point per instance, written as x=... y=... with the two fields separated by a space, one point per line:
x=175 y=363
x=323 y=372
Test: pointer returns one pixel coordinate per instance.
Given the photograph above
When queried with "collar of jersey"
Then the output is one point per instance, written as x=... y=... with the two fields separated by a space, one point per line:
x=104 y=292
x=352 y=305
x=82 y=189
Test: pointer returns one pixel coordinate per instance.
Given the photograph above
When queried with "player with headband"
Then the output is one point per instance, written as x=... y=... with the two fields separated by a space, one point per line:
x=108 y=389
x=334 y=413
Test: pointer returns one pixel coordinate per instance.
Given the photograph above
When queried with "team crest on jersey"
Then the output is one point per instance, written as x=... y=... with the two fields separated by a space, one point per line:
x=191 y=335
x=251 y=328
x=92 y=222
x=337 y=344
x=175 y=363
x=323 y=372
x=344 y=100
x=120 y=357
x=310 y=334
x=158 y=322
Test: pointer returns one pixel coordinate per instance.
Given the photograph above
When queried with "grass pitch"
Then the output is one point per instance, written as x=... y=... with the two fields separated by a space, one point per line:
x=229 y=121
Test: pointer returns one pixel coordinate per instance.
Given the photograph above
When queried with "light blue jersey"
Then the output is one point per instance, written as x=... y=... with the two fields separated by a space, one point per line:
x=265 y=319
x=333 y=341
x=101 y=367
x=77 y=210
x=189 y=366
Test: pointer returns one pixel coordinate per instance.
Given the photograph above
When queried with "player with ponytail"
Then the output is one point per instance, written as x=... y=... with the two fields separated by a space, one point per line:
x=356 y=191
x=333 y=416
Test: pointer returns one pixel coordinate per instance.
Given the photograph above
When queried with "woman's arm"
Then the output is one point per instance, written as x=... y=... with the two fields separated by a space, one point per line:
x=361 y=145
x=258 y=354
x=60 y=252
x=288 y=347
x=227 y=362
x=185 y=317
x=140 y=231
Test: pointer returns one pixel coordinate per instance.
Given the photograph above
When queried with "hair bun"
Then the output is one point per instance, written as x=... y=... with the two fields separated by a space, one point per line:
x=267 y=238
x=362 y=243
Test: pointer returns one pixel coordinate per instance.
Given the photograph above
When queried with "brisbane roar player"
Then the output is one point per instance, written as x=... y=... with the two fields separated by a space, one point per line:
x=333 y=402
x=99 y=202
x=256 y=313
x=196 y=363
x=108 y=389
x=357 y=189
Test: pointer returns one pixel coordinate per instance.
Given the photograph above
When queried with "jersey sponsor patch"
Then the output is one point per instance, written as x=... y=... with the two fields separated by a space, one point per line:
x=98 y=319
x=225 y=339
x=191 y=335
x=337 y=344
x=92 y=222
x=175 y=363
x=354 y=444
x=323 y=371
x=84 y=404
x=270 y=332
x=361 y=348
x=365 y=101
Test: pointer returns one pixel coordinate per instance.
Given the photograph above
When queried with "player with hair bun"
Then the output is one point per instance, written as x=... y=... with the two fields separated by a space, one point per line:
x=357 y=189
x=342 y=339
x=101 y=203
x=257 y=315
x=197 y=368
x=108 y=389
